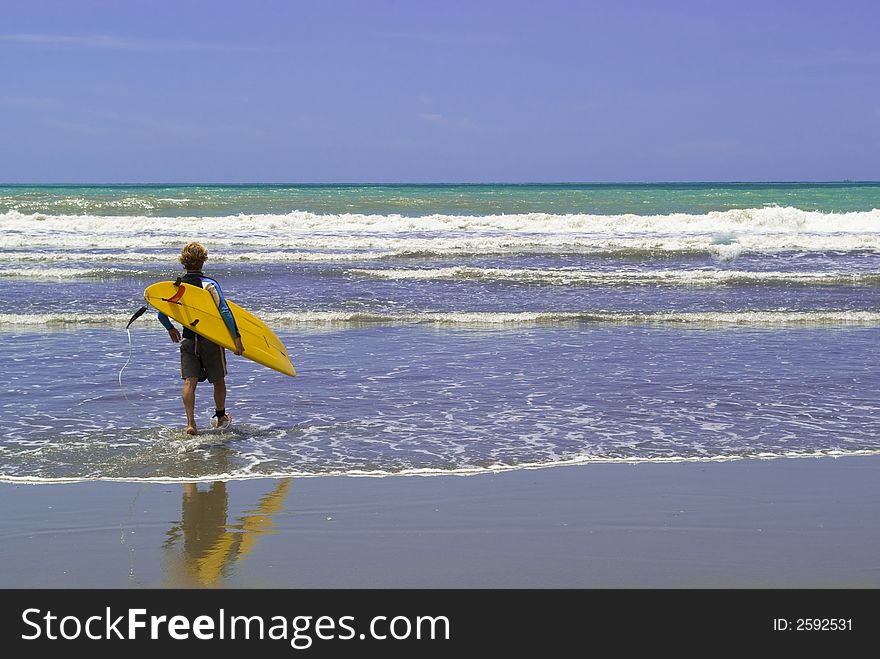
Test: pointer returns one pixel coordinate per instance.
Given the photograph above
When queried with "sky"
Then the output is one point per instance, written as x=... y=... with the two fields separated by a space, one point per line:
x=359 y=91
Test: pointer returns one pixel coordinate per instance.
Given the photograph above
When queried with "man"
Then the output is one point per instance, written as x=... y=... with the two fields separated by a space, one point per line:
x=201 y=359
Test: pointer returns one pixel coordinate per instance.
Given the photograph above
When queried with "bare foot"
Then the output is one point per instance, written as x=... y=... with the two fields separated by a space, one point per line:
x=191 y=430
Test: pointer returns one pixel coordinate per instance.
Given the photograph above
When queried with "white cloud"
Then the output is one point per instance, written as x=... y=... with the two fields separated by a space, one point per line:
x=459 y=123
x=111 y=42
x=12 y=100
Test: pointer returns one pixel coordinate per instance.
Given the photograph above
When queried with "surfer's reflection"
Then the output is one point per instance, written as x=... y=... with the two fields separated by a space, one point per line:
x=210 y=546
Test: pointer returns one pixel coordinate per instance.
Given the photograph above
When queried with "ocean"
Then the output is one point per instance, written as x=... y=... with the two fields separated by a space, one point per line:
x=442 y=329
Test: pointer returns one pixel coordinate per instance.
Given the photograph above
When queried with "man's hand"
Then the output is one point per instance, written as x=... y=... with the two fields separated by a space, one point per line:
x=174 y=334
x=239 y=348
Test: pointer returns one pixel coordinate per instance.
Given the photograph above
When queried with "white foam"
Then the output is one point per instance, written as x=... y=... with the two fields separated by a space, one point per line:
x=726 y=233
x=723 y=224
x=568 y=276
x=169 y=256
x=61 y=319
x=431 y=472
x=294 y=319
x=75 y=250
x=60 y=274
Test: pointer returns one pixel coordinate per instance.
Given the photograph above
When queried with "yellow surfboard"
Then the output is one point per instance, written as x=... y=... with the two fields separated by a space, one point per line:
x=194 y=308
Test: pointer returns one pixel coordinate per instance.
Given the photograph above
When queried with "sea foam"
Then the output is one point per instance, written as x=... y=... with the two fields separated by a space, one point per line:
x=294 y=319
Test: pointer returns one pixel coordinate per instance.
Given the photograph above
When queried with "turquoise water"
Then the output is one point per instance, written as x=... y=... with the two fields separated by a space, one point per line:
x=412 y=200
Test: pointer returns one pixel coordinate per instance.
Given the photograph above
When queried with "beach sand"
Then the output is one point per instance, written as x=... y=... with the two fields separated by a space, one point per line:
x=787 y=523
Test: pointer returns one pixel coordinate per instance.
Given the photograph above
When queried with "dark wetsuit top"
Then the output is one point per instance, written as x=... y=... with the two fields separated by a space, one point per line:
x=196 y=278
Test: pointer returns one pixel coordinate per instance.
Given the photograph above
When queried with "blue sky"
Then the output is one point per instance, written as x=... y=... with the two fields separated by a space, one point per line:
x=478 y=91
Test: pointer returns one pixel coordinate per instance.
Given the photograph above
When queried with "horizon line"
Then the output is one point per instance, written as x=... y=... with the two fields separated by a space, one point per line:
x=437 y=183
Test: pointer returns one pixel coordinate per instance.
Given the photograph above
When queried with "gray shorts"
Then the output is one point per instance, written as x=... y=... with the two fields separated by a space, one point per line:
x=202 y=359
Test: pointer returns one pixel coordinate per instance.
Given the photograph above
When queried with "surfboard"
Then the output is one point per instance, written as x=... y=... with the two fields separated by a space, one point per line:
x=194 y=307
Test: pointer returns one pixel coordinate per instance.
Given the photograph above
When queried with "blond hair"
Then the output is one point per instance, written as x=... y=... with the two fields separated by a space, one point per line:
x=193 y=256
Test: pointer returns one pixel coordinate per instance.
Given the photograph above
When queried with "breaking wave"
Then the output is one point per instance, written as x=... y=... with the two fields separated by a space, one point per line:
x=294 y=319
x=293 y=235
x=568 y=277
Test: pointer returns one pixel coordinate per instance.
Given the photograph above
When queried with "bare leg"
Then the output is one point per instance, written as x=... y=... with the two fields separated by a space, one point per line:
x=189 y=404
x=220 y=394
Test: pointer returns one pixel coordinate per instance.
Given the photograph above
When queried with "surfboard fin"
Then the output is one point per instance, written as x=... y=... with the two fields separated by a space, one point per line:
x=174 y=298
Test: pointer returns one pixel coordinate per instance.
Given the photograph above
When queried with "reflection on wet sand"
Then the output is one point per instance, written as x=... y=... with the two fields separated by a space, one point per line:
x=203 y=548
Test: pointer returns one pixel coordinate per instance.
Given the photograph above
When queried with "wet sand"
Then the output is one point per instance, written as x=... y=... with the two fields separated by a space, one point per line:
x=793 y=523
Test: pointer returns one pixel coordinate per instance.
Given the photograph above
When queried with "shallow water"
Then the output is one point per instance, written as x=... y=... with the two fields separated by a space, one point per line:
x=441 y=329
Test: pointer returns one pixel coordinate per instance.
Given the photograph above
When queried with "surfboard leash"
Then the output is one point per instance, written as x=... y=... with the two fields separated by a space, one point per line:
x=137 y=314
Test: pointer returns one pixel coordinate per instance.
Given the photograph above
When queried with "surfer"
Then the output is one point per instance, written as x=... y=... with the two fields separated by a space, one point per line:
x=201 y=359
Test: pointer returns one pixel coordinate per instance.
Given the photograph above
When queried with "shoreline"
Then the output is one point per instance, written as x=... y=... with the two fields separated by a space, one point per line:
x=759 y=523
x=464 y=472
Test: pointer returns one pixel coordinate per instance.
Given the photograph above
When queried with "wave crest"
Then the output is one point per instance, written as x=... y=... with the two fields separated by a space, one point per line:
x=309 y=236
x=296 y=319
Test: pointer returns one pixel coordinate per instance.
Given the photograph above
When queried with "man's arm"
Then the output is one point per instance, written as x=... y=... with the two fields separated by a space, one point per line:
x=167 y=324
x=225 y=312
